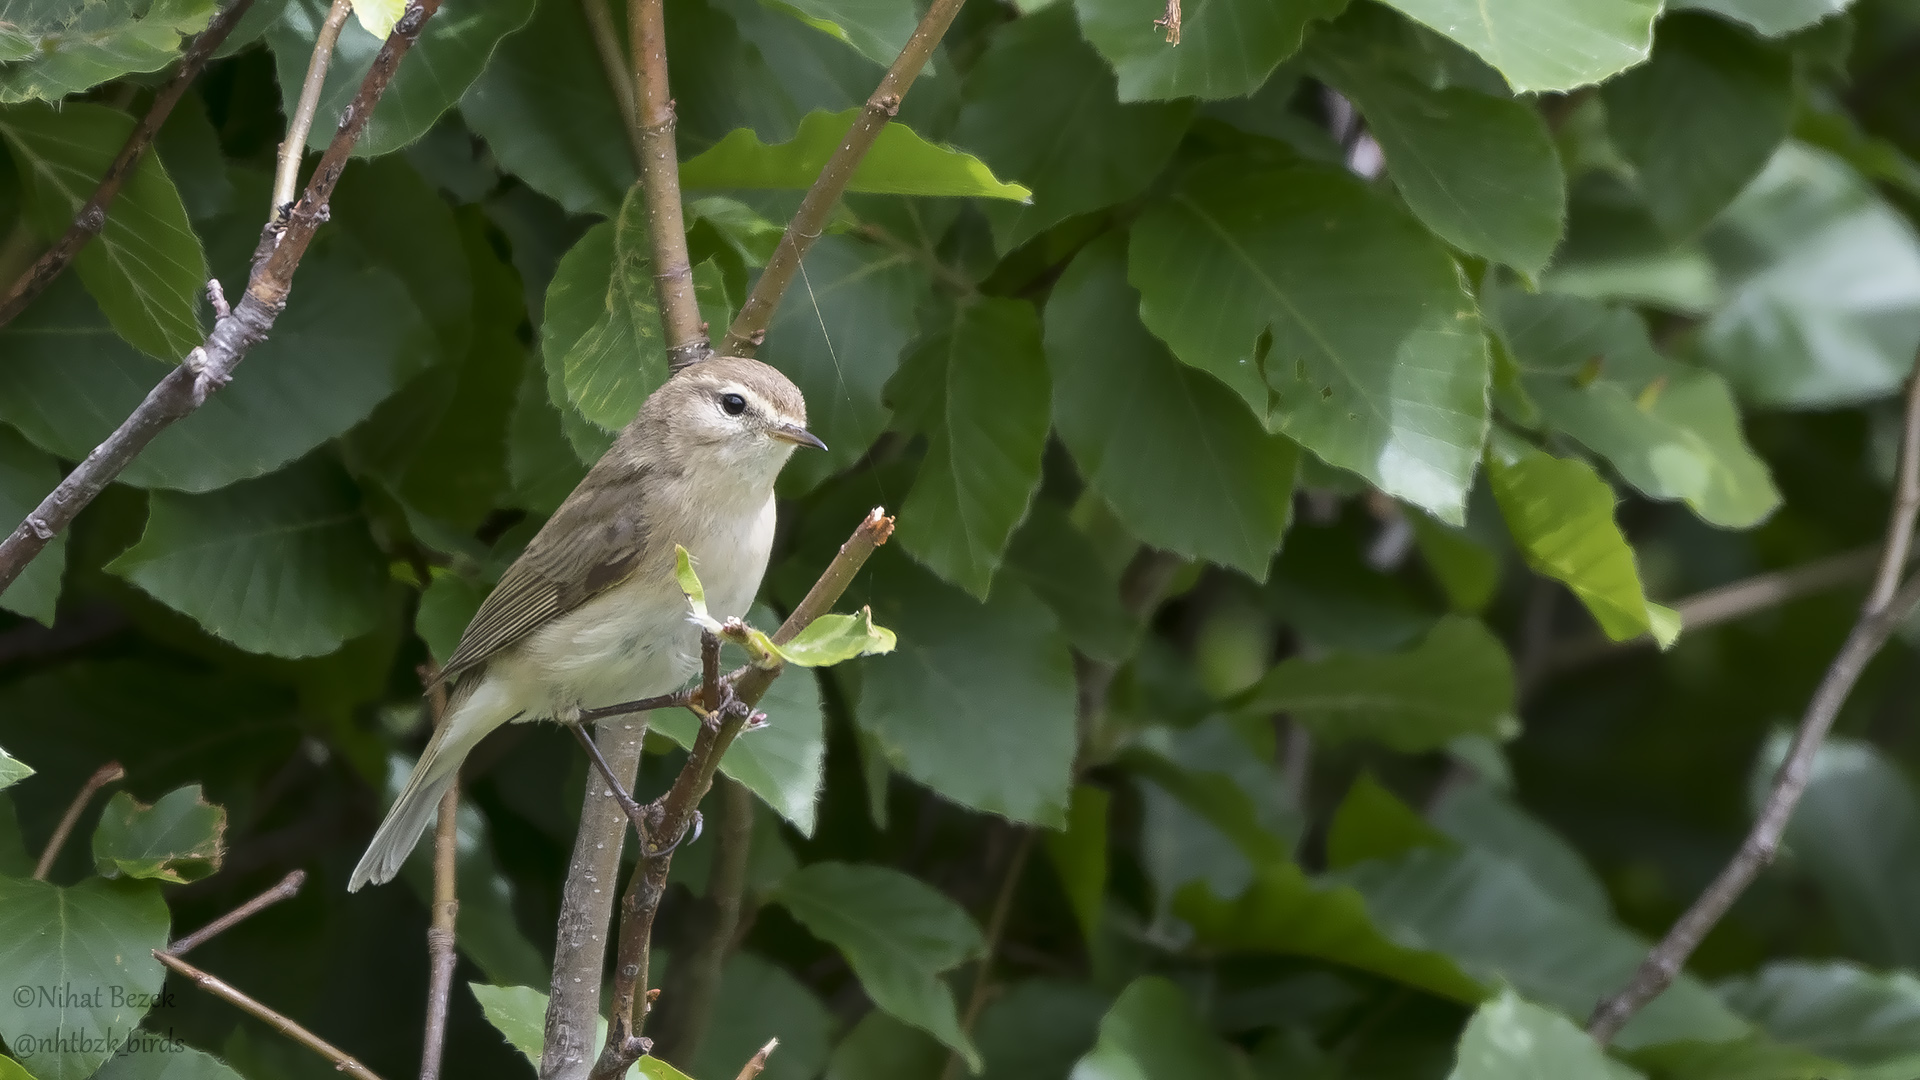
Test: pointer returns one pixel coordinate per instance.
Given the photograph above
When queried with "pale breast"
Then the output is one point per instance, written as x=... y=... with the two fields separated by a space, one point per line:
x=636 y=640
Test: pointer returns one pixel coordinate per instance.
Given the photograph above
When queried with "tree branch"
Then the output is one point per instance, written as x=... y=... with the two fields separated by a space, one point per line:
x=606 y=42
x=749 y=328
x=692 y=986
x=757 y=1062
x=342 y=1061
x=210 y=366
x=586 y=906
x=102 y=776
x=1884 y=610
x=672 y=812
x=286 y=177
x=660 y=186
x=440 y=936
x=288 y=888
x=93 y=213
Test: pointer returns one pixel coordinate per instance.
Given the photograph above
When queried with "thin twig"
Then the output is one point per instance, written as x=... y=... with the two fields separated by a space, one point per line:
x=749 y=327
x=1906 y=503
x=692 y=987
x=440 y=936
x=996 y=929
x=342 y=1061
x=660 y=186
x=288 y=888
x=1881 y=614
x=286 y=178
x=93 y=213
x=758 y=1061
x=672 y=812
x=210 y=366
x=1170 y=22
x=606 y=42
x=102 y=776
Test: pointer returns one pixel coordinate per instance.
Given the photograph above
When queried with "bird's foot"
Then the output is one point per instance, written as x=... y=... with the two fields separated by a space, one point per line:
x=687 y=836
x=731 y=708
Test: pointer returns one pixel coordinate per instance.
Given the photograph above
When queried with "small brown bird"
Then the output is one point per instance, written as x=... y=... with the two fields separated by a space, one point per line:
x=590 y=614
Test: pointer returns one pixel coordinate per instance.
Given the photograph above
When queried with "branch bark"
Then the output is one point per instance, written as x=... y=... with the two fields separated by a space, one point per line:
x=446 y=911
x=93 y=213
x=586 y=906
x=749 y=328
x=286 y=176
x=288 y=888
x=692 y=986
x=1884 y=610
x=102 y=776
x=210 y=365
x=660 y=186
x=343 y=1062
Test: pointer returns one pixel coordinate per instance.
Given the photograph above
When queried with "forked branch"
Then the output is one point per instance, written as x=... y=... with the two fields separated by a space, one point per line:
x=1884 y=610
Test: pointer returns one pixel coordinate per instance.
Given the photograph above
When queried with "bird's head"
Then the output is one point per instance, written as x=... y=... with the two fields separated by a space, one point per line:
x=737 y=413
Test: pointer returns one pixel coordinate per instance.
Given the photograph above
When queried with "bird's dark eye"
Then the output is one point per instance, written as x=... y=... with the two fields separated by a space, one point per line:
x=734 y=404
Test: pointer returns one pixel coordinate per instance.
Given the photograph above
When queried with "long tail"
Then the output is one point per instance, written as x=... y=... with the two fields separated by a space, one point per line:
x=477 y=708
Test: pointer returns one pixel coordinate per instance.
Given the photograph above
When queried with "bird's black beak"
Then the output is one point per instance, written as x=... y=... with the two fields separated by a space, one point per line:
x=798 y=436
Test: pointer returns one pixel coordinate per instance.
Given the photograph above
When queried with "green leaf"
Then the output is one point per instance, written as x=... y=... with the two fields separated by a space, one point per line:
x=1079 y=855
x=839 y=335
x=1701 y=118
x=152 y=1055
x=689 y=583
x=1773 y=18
x=348 y=339
x=1833 y=1008
x=1671 y=429
x=378 y=16
x=1561 y=515
x=781 y=762
x=1480 y=171
x=1377 y=363
x=1226 y=48
x=90 y=949
x=1039 y=106
x=1751 y=1058
x=519 y=1014
x=1493 y=919
x=1545 y=44
x=1822 y=305
x=1153 y=1032
x=1457 y=681
x=882 y=1048
x=978 y=389
x=452 y=49
x=1481 y=817
x=1217 y=806
x=403 y=223
x=26 y=477
x=654 y=1069
x=835 y=639
x=1182 y=464
x=764 y=1002
x=900 y=162
x=145 y=268
x=58 y=48
x=550 y=69
x=178 y=839
x=282 y=565
x=1372 y=823
x=878 y=29
x=1864 y=871
x=447 y=605
x=897 y=934
x=999 y=675
x=1284 y=912
x=12 y=770
x=1051 y=556
x=602 y=338
x=1512 y=1039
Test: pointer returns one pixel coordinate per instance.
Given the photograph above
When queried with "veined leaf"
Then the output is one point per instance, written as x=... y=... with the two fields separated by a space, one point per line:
x=12 y=770
x=900 y=163
x=54 y=49
x=878 y=29
x=146 y=267
x=1513 y=1039
x=1227 y=48
x=26 y=477
x=1545 y=44
x=835 y=639
x=180 y=838
x=1561 y=514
